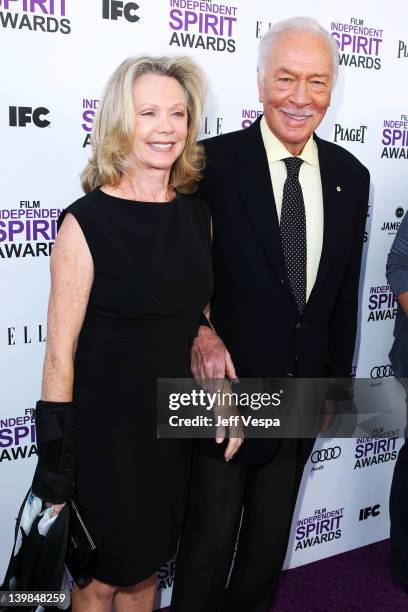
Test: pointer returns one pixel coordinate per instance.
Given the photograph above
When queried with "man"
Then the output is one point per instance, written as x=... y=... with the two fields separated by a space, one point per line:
x=288 y=215
x=397 y=276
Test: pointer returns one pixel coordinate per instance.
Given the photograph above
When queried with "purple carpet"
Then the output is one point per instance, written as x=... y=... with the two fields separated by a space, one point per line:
x=353 y=581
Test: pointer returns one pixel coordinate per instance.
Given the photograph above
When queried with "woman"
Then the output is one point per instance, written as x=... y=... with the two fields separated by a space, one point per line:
x=131 y=274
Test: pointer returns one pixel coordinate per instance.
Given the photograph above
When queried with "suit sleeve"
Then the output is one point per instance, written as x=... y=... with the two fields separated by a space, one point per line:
x=202 y=194
x=397 y=262
x=343 y=324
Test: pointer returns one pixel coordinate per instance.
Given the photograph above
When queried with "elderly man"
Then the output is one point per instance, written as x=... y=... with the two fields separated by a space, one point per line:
x=288 y=213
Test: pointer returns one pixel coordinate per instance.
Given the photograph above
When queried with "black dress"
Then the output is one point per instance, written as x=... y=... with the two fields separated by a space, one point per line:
x=152 y=279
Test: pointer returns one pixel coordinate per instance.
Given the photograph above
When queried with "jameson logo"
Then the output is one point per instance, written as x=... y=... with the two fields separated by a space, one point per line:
x=35 y=15
x=359 y=44
x=17 y=437
x=27 y=230
x=323 y=526
x=89 y=107
x=392 y=227
x=203 y=25
x=395 y=138
x=382 y=304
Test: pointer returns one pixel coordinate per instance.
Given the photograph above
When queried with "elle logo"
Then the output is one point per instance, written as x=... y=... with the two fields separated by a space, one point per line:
x=26 y=335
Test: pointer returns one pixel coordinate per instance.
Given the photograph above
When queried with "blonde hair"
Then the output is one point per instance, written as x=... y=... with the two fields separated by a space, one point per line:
x=112 y=132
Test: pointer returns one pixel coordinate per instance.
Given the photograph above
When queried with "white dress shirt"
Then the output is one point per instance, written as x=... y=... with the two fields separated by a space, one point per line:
x=310 y=181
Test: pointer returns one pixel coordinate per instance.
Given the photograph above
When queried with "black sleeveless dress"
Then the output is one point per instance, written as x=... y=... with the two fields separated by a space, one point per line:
x=152 y=279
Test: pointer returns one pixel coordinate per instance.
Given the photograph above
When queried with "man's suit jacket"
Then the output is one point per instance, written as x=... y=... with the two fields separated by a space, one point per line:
x=253 y=309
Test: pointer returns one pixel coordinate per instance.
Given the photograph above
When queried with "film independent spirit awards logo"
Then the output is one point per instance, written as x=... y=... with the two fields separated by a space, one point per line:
x=49 y=16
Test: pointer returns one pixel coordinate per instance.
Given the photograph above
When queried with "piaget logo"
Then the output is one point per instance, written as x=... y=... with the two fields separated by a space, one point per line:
x=349 y=134
x=402 y=49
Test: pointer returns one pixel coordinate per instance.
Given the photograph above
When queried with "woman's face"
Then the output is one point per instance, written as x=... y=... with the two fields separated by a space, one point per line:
x=160 y=106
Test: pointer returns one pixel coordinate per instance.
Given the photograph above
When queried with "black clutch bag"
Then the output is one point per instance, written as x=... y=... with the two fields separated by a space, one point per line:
x=81 y=550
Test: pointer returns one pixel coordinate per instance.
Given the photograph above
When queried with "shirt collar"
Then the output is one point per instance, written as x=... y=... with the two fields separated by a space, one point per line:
x=276 y=151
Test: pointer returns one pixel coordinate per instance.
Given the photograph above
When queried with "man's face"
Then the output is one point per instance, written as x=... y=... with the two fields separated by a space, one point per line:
x=296 y=87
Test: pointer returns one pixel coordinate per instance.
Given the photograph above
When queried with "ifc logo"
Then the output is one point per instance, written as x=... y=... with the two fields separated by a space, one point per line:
x=20 y=116
x=112 y=9
x=399 y=212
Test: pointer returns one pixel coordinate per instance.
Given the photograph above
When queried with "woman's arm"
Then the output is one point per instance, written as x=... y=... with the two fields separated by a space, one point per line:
x=71 y=281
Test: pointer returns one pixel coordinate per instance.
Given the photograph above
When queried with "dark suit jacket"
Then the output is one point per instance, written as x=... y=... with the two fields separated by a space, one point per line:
x=253 y=309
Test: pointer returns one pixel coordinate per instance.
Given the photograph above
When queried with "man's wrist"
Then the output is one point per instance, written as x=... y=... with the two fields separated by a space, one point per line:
x=205 y=329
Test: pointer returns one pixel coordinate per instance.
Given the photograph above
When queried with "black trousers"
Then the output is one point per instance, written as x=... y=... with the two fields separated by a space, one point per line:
x=399 y=512
x=218 y=492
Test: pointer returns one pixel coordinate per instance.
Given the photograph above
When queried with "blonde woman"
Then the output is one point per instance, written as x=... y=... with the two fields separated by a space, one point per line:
x=131 y=274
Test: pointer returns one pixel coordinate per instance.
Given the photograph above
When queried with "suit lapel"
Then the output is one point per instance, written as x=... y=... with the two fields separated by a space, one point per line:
x=253 y=179
x=332 y=207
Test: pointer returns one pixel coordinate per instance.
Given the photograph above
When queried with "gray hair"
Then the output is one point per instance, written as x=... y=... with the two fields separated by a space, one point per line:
x=295 y=24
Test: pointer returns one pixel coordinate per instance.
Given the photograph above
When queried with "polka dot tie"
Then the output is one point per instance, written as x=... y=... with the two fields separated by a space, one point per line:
x=293 y=231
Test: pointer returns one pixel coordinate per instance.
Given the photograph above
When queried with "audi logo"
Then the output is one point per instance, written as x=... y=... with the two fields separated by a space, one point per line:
x=383 y=371
x=325 y=454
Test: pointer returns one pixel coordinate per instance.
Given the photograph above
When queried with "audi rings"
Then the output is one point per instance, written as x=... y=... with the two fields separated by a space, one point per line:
x=383 y=371
x=325 y=454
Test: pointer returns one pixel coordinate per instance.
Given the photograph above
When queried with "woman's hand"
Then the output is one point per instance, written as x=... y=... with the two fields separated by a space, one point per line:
x=228 y=422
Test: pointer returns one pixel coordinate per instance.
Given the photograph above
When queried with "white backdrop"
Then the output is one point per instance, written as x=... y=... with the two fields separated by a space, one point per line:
x=56 y=57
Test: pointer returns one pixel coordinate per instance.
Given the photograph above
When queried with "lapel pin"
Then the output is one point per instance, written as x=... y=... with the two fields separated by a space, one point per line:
x=338 y=188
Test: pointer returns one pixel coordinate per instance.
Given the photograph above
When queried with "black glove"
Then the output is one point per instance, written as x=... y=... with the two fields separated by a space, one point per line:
x=55 y=428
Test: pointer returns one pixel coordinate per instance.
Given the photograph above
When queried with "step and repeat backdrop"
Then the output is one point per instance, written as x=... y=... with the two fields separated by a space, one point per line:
x=56 y=58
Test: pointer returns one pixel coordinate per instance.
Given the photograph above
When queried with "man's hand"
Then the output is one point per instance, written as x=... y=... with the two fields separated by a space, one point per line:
x=329 y=412
x=210 y=358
